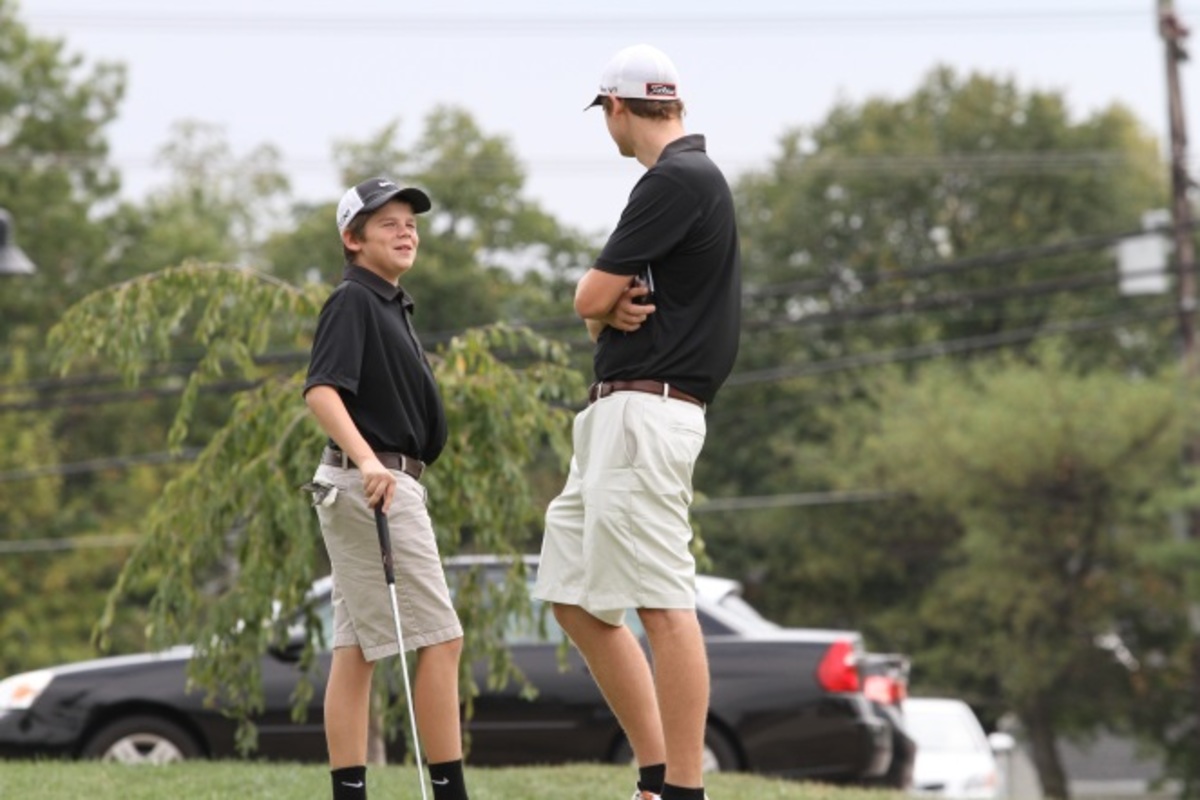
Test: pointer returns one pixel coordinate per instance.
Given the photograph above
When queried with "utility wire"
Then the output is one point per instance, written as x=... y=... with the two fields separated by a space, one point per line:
x=986 y=163
x=904 y=309
x=993 y=260
x=979 y=300
x=942 y=348
x=449 y=26
x=951 y=301
x=97 y=465
x=795 y=500
x=746 y=378
x=67 y=544
x=714 y=505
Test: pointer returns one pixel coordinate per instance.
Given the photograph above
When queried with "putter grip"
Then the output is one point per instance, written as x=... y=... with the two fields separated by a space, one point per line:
x=385 y=545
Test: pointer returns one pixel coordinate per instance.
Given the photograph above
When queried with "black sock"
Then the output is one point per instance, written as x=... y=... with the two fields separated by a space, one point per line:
x=349 y=783
x=650 y=779
x=670 y=792
x=447 y=780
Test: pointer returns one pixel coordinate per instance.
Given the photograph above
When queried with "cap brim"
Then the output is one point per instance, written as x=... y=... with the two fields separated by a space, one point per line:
x=599 y=101
x=413 y=196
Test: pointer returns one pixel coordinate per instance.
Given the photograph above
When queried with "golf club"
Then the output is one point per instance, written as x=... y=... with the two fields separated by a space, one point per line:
x=385 y=549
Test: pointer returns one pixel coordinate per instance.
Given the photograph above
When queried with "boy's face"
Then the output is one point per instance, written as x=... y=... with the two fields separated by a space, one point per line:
x=389 y=244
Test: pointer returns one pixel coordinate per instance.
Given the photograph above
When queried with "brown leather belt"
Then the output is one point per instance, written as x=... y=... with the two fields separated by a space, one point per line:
x=406 y=464
x=605 y=388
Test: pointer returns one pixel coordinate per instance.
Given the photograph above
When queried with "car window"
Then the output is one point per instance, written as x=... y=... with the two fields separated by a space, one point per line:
x=943 y=729
x=737 y=605
x=539 y=627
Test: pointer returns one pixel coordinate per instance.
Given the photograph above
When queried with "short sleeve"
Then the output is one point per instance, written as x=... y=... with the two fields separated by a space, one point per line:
x=660 y=214
x=337 y=350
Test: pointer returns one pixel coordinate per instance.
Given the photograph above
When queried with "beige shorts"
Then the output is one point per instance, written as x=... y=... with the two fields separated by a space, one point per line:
x=618 y=535
x=362 y=611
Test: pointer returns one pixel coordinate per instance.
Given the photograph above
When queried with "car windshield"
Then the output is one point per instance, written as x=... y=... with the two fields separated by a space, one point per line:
x=941 y=730
x=538 y=628
x=735 y=604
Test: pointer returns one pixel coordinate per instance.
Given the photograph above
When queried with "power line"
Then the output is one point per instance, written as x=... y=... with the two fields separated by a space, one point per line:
x=63 y=545
x=745 y=378
x=97 y=465
x=943 y=348
x=950 y=301
x=714 y=505
x=992 y=260
x=839 y=316
x=90 y=399
x=794 y=500
x=987 y=163
x=975 y=300
x=459 y=26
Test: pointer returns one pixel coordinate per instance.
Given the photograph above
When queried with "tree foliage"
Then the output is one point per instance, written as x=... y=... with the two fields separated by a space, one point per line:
x=488 y=252
x=967 y=217
x=54 y=173
x=1058 y=483
x=216 y=206
x=233 y=536
x=871 y=240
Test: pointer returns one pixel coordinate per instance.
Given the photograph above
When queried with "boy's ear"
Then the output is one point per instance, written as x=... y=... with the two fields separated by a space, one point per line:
x=351 y=244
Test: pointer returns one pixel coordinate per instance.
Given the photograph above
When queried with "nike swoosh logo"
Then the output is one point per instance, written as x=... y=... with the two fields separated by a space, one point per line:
x=358 y=785
x=442 y=782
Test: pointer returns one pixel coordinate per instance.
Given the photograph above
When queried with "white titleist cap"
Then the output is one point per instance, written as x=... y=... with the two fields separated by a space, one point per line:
x=373 y=193
x=640 y=72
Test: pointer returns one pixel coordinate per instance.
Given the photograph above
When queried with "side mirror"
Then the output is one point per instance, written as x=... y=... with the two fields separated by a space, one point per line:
x=293 y=647
x=1001 y=742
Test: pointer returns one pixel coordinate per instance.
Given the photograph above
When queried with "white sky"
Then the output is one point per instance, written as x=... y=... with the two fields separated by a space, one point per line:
x=303 y=73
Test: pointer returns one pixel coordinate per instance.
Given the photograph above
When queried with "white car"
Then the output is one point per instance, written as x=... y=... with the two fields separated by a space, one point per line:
x=955 y=758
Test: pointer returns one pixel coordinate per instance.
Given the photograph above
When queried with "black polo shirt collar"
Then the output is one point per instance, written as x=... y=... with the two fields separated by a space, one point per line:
x=692 y=141
x=381 y=287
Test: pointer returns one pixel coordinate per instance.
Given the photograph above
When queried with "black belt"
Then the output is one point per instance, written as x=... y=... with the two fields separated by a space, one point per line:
x=605 y=388
x=406 y=464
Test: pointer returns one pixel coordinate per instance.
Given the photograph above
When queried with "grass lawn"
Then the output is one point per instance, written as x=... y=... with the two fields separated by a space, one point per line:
x=50 y=780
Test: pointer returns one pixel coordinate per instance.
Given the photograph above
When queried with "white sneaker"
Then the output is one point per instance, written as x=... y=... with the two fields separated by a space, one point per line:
x=642 y=794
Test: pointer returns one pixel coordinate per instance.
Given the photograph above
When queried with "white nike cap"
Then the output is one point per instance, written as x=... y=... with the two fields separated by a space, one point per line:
x=373 y=193
x=639 y=72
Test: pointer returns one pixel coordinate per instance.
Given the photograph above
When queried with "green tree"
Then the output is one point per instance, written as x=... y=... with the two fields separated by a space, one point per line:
x=966 y=166
x=870 y=239
x=56 y=180
x=54 y=170
x=232 y=534
x=1058 y=483
x=215 y=206
x=488 y=252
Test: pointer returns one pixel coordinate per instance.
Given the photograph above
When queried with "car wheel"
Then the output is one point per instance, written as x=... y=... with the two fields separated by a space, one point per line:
x=719 y=753
x=142 y=740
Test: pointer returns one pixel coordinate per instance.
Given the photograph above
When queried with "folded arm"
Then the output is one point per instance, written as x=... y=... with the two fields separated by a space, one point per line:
x=607 y=300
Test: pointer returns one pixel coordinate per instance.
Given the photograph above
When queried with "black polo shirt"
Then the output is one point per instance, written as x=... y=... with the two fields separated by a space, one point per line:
x=679 y=221
x=367 y=349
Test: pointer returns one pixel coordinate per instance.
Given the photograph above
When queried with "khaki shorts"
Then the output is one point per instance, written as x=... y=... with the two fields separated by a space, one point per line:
x=618 y=536
x=362 y=611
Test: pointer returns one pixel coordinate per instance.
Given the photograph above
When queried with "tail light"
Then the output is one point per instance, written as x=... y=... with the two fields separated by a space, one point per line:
x=884 y=689
x=838 y=670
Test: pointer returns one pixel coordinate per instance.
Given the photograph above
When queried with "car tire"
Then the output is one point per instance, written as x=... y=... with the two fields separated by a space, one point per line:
x=719 y=753
x=142 y=739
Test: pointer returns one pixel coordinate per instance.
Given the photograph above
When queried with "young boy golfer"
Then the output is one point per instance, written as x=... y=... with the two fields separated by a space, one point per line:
x=373 y=392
